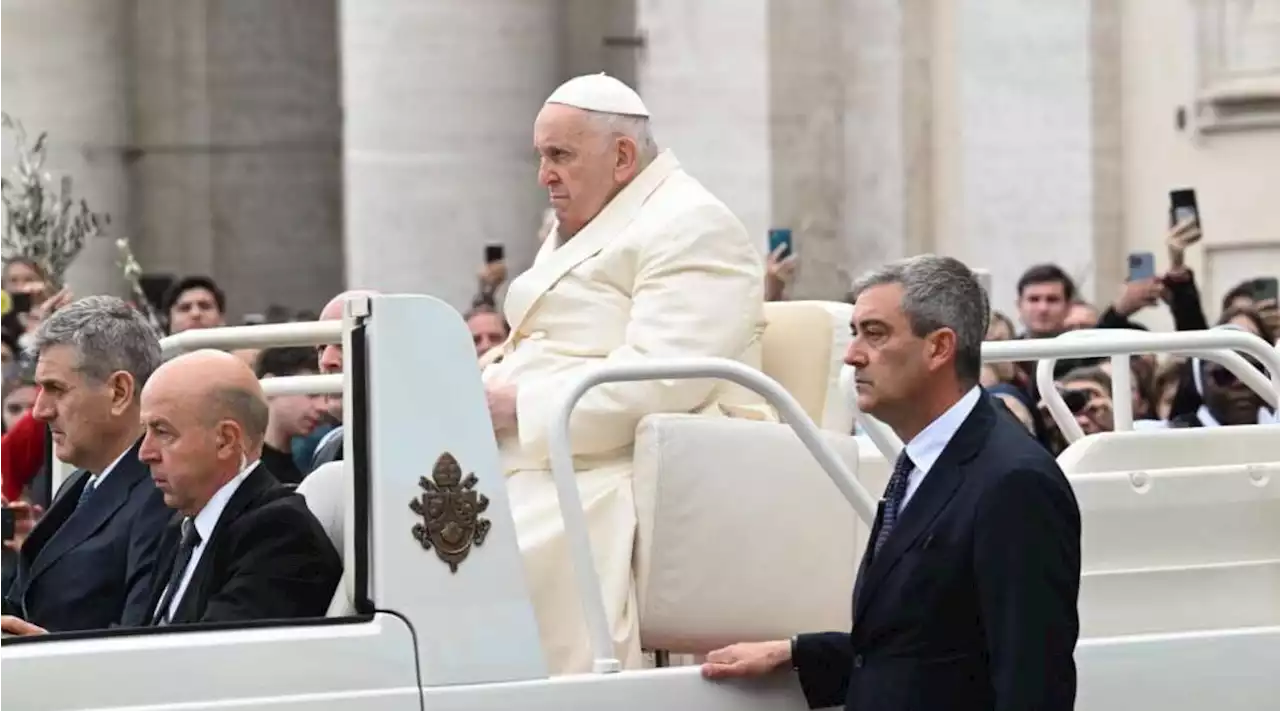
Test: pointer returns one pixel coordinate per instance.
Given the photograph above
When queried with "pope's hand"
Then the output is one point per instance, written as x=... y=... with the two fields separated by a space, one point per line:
x=18 y=626
x=747 y=659
x=502 y=406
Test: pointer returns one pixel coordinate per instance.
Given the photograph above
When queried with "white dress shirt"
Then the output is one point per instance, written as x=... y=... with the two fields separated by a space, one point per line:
x=95 y=480
x=925 y=448
x=205 y=522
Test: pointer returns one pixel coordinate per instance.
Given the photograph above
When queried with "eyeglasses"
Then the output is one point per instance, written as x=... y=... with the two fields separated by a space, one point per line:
x=1224 y=378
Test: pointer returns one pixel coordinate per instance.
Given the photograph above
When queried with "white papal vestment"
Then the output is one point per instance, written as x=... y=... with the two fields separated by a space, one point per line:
x=665 y=270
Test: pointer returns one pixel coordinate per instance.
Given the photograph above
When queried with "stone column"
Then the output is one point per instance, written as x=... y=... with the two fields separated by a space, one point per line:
x=704 y=75
x=439 y=100
x=1035 y=145
x=238 y=160
x=66 y=71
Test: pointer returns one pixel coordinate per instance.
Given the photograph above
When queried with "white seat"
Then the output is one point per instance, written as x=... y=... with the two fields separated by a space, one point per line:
x=327 y=491
x=803 y=348
x=713 y=494
x=716 y=497
x=1181 y=529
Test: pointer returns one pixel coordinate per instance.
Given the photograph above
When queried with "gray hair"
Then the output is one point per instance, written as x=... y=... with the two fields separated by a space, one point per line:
x=940 y=292
x=108 y=336
x=634 y=127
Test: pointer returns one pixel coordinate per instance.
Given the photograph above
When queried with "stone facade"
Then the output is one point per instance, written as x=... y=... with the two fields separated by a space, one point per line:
x=290 y=148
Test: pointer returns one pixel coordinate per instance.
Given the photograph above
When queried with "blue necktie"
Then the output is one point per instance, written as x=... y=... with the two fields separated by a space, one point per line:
x=894 y=492
x=87 y=491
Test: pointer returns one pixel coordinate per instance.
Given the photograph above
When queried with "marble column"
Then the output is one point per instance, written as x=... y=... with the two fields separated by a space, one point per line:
x=439 y=100
x=66 y=71
x=1035 y=113
x=238 y=160
x=704 y=76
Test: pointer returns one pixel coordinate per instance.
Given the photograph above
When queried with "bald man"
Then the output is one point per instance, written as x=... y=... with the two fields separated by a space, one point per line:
x=329 y=447
x=641 y=264
x=241 y=546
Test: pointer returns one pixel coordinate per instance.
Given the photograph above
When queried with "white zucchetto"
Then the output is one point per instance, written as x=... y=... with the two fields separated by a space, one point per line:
x=599 y=92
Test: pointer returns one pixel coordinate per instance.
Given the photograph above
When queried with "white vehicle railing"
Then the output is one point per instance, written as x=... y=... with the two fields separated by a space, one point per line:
x=302 y=385
x=271 y=335
x=1215 y=345
x=268 y=335
x=584 y=569
x=1218 y=345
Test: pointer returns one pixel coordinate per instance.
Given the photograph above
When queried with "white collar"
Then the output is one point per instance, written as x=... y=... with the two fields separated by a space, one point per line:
x=95 y=480
x=925 y=448
x=208 y=517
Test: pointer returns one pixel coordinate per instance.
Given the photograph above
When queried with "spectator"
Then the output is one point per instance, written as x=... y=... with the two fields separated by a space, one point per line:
x=195 y=302
x=19 y=394
x=1248 y=295
x=1218 y=396
x=1087 y=393
x=1045 y=293
x=290 y=415
x=778 y=274
x=488 y=328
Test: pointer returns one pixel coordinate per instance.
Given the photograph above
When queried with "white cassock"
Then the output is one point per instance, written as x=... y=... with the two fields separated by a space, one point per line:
x=665 y=270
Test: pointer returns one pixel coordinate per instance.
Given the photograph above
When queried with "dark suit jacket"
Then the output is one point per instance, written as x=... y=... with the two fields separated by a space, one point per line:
x=329 y=449
x=267 y=558
x=91 y=568
x=971 y=603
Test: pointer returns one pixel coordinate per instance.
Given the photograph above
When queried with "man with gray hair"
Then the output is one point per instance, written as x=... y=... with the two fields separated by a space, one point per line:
x=642 y=264
x=966 y=596
x=87 y=564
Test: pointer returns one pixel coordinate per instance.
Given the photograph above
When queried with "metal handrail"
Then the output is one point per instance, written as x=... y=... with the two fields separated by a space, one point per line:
x=1215 y=344
x=268 y=335
x=561 y=453
x=302 y=385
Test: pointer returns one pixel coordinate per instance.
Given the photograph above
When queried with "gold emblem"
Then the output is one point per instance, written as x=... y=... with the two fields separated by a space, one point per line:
x=450 y=508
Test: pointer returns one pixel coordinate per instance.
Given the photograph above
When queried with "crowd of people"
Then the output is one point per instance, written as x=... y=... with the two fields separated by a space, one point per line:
x=208 y=477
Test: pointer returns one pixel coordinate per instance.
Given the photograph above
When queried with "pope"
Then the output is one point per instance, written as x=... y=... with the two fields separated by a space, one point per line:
x=642 y=264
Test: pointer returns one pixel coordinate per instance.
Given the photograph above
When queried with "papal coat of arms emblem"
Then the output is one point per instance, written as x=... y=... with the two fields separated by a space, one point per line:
x=450 y=508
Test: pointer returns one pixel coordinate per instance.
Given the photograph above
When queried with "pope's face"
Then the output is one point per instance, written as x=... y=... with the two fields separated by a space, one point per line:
x=580 y=165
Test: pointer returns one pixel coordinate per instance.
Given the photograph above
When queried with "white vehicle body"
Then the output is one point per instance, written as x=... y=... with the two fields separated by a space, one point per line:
x=1180 y=602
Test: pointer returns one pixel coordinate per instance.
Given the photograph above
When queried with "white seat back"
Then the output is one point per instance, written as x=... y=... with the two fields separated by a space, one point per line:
x=327 y=491
x=1181 y=529
x=803 y=349
x=741 y=536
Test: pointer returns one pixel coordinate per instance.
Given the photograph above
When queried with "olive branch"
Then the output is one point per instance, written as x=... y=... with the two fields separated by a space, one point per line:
x=45 y=223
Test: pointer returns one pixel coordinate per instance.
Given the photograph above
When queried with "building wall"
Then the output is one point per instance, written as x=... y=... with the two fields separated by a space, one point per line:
x=1235 y=174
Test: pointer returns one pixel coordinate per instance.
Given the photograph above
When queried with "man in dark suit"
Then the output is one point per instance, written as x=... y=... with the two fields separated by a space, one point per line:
x=966 y=595
x=87 y=564
x=242 y=546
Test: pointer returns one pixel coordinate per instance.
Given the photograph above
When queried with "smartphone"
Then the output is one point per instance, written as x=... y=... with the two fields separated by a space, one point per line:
x=780 y=237
x=9 y=523
x=1142 y=266
x=493 y=253
x=19 y=303
x=1267 y=289
x=1182 y=206
x=984 y=279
